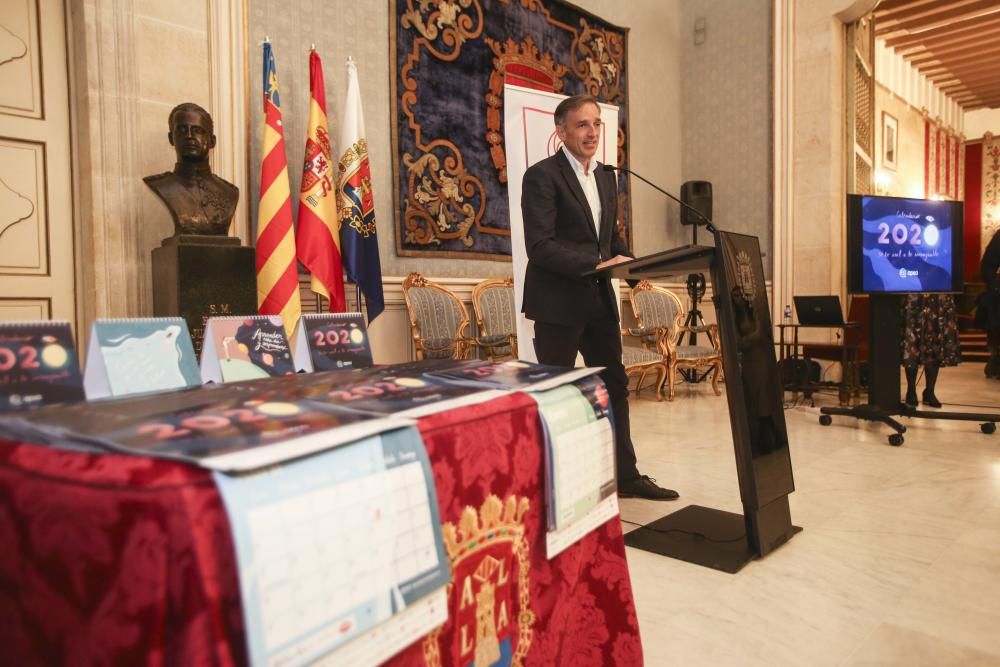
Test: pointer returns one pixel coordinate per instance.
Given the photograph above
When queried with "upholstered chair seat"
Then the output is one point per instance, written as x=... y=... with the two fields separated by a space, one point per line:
x=493 y=303
x=659 y=315
x=438 y=319
x=640 y=361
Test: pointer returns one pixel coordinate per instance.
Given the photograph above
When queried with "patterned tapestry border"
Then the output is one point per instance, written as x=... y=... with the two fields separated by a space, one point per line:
x=451 y=60
x=991 y=189
x=944 y=160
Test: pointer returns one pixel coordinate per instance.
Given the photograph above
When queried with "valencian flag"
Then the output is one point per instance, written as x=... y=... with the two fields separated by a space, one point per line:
x=277 y=270
x=358 y=243
x=317 y=235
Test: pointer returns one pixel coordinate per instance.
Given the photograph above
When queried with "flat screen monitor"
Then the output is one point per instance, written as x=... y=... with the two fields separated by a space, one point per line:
x=901 y=245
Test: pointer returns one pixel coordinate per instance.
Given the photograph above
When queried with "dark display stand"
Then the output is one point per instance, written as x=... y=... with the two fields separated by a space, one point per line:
x=702 y=535
x=197 y=277
x=885 y=359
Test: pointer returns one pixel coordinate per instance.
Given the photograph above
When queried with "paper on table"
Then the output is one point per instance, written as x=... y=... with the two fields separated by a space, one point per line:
x=331 y=546
x=579 y=451
x=224 y=427
x=513 y=374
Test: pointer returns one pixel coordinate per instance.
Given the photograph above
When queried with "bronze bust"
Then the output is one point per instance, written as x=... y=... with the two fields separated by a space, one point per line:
x=199 y=201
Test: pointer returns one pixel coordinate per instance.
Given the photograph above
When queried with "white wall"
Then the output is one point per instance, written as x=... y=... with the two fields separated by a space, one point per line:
x=981 y=121
x=726 y=103
x=654 y=111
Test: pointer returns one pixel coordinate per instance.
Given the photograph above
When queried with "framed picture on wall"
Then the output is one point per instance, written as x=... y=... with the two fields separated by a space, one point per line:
x=890 y=140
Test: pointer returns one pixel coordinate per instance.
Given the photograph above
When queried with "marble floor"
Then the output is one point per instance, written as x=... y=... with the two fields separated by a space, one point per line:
x=899 y=562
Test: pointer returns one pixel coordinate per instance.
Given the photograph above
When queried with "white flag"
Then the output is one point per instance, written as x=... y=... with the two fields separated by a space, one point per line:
x=358 y=243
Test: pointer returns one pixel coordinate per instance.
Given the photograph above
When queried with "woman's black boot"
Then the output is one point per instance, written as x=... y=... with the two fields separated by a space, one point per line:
x=931 y=374
x=911 y=386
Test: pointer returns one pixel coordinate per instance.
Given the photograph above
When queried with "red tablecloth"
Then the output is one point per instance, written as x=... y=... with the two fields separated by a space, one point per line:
x=118 y=560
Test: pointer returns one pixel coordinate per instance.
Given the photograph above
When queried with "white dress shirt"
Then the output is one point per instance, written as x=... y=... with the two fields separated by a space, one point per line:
x=588 y=181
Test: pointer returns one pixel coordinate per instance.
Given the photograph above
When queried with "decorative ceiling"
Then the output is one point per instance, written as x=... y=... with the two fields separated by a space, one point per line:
x=954 y=43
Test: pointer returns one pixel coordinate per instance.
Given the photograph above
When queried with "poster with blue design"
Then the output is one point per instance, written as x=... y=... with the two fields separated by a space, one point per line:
x=135 y=356
x=909 y=245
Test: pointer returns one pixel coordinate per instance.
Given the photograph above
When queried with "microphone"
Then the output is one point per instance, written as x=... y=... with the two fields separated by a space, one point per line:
x=707 y=223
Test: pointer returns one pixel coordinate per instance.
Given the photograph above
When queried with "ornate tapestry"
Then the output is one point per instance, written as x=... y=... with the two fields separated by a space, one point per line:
x=944 y=160
x=452 y=58
x=990 y=210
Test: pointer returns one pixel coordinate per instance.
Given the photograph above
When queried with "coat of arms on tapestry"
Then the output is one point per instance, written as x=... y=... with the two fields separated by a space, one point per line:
x=451 y=60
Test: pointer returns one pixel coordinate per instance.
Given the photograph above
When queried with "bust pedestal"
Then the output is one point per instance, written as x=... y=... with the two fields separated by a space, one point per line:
x=197 y=277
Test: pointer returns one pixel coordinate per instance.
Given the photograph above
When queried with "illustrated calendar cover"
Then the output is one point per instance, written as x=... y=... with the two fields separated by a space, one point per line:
x=134 y=356
x=332 y=342
x=405 y=390
x=332 y=545
x=580 y=450
x=38 y=365
x=245 y=348
x=222 y=427
x=513 y=374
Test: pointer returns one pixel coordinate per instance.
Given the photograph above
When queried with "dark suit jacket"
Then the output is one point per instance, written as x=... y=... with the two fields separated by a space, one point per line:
x=561 y=242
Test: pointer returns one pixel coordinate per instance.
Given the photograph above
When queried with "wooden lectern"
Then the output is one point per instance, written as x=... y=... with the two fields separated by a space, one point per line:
x=714 y=538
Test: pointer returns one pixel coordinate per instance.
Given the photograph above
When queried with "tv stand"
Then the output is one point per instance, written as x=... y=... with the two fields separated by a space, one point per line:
x=885 y=359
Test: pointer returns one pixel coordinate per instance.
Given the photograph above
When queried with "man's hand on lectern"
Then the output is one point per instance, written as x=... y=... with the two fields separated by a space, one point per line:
x=617 y=259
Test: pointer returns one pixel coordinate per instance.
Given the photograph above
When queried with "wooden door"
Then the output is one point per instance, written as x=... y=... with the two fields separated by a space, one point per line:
x=37 y=272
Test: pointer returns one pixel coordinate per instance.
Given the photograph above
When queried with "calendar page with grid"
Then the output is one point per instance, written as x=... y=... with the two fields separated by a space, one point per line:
x=387 y=639
x=585 y=466
x=580 y=463
x=333 y=545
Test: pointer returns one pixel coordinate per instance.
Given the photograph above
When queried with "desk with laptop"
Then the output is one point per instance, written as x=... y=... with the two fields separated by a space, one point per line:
x=819 y=312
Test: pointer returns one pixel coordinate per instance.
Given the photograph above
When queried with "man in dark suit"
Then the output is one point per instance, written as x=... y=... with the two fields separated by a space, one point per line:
x=570 y=209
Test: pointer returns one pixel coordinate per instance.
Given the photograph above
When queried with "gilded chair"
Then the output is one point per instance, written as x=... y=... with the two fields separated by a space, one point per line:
x=660 y=315
x=438 y=319
x=493 y=303
x=640 y=361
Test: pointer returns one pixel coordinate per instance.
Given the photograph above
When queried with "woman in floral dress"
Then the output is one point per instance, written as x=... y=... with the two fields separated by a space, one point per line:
x=988 y=312
x=930 y=339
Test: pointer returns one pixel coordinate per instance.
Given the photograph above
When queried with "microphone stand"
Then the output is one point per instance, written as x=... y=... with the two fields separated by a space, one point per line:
x=695 y=281
x=708 y=223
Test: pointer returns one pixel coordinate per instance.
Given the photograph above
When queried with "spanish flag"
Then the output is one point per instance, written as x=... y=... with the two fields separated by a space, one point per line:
x=317 y=236
x=277 y=270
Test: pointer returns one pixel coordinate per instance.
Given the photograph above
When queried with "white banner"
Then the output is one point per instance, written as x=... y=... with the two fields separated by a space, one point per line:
x=530 y=136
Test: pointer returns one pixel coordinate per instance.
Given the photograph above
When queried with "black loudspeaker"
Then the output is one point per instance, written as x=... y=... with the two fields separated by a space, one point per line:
x=697 y=194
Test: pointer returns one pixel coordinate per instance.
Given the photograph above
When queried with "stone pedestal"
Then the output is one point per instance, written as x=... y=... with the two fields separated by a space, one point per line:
x=197 y=277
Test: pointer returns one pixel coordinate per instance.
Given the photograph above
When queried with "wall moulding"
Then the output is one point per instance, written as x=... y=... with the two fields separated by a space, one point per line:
x=229 y=83
x=104 y=113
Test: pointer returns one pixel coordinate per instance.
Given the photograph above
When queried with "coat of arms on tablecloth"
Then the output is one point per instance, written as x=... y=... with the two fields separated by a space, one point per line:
x=490 y=614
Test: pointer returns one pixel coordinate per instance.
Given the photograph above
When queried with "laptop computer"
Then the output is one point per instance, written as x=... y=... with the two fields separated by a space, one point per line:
x=823 y=311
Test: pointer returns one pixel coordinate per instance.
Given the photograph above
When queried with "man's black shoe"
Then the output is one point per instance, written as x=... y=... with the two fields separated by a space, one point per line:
x=645 y=486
